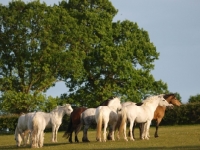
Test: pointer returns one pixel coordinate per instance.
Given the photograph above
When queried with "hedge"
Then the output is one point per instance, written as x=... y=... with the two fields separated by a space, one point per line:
x=186 y=114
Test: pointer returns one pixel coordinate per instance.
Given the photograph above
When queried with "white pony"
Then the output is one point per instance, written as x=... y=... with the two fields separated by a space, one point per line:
x=44 y=120
x=105 y=115
x=141 y=114
x=23 y=128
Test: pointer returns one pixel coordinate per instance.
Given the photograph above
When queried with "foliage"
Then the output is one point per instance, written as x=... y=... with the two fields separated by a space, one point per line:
x=8 y=122
x=33 y=40
x=119 y=56
x=185 y=114
x=76 y=42
x=19 y=102
x=194 y=99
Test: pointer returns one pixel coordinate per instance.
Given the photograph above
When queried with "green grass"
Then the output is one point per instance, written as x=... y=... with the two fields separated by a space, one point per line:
x=170 y=138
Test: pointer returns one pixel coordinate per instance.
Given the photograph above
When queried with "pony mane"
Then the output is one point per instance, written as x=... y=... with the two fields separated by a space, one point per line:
x=106 y=102
x=57 y=107
x=113 y=100
x=150 y=99
x=166 y=96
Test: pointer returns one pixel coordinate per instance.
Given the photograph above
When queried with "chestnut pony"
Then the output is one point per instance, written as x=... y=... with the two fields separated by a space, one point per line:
x=160 y=112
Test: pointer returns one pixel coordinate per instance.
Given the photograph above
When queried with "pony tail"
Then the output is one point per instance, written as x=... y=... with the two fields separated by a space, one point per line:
x=69 y=129
x=124 y=118
x=34 y=133
x=99 y=126
x=80 y=125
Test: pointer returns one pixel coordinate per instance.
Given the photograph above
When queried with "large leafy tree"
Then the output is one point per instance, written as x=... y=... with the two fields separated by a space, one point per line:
x=119 y=56
x=34 y=40
x=78 y=42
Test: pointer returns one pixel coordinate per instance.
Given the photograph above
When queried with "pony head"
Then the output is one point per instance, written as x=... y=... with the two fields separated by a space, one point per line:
x=171 y=99
x=162 y=101
x=68 y=109
x=18 y=140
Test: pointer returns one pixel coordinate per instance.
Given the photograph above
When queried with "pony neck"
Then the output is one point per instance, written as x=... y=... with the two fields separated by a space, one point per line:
x=58 y=112
x=152 y=103
x=113 y=104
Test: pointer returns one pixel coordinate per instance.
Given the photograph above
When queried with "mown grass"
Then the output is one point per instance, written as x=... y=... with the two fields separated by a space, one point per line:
x=170 y=138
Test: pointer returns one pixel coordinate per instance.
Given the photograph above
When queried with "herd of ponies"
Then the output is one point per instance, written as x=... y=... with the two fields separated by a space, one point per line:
x=111 y=113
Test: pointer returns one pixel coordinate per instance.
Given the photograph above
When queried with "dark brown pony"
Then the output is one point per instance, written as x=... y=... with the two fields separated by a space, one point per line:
x=75 y=121
x=160 y=113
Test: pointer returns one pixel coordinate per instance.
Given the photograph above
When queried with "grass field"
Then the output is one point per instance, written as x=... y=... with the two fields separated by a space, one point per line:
x=170 y=138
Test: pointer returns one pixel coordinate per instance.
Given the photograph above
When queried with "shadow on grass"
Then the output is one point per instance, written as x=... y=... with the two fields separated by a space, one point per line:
x=160 y=148
x=51 y=145
x=28 y=146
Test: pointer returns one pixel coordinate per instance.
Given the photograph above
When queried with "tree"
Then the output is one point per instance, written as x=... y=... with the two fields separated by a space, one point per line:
x=194 y=99
x=34 y=40
x=119 y=56
x=77 y=42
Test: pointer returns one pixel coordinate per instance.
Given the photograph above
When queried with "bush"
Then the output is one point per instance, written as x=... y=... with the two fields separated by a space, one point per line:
x=9 y=122
x=185 y=114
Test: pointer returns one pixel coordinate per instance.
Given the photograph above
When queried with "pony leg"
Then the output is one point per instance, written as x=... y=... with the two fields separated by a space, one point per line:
x=85 y=138
x=70 y=136
x=22 y=138
x=113 y=131
x=147 y=130
x=109 y=136
x=157 y=125
x=53 y=134
x=144 y=131
x=141 y=128
x=134 y=125
x=41 y=139
x=104 y=131
x=56 y=134
x=77 y=131
x=125 y=137
x=130 y=129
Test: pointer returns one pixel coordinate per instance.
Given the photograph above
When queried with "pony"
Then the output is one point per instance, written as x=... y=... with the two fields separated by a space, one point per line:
x=23 y=128
x=124 y=104
x=160 y=110
x=43 y=120
x=160 y=113
x=75 y=124
x=87 y=119
x=107 y=115
x=141 y=114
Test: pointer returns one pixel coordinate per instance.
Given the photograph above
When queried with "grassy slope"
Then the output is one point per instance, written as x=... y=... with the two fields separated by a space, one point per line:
x=171 y=138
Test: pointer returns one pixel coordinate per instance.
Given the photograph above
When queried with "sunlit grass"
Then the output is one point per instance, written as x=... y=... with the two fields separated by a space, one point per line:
x=170 y=138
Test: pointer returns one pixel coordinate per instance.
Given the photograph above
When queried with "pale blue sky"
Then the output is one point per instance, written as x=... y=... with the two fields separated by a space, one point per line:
x=174 y=28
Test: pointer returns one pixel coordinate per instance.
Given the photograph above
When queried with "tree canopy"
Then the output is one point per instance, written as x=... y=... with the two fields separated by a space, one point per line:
x=77 y=42
x=194 y=99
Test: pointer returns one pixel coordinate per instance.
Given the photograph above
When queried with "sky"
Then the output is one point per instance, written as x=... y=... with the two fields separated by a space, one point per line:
x=174 y=29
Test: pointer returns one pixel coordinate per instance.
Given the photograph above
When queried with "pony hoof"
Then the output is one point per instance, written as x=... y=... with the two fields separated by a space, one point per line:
x=99 y=140
x=156 y=136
